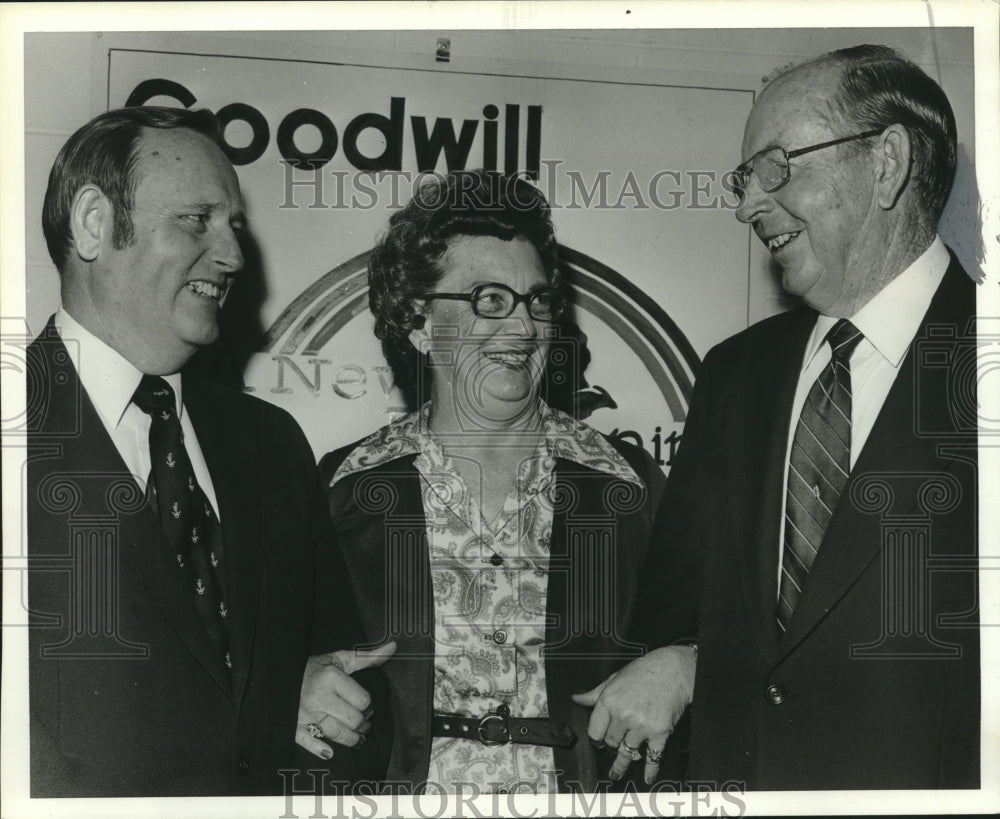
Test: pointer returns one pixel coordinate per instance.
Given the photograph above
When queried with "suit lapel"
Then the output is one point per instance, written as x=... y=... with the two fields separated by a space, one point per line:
x=854 y=537
x=755 y=444
x=92 y=459
x=233 y=459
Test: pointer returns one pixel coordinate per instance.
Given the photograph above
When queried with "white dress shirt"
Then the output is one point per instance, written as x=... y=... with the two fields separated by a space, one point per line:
x=110 y=381
x=889 y=323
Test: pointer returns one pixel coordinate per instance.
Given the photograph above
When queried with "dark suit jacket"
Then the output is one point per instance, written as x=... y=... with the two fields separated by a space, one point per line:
x=876 y=683
x=127 y=695
x=600 y=543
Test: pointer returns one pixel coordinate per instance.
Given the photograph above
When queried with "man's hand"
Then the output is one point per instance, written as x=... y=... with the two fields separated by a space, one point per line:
x=333 y=705
x=641 y=703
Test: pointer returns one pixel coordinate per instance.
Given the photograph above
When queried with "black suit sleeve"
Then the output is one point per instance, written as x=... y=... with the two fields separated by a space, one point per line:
x=337 y=624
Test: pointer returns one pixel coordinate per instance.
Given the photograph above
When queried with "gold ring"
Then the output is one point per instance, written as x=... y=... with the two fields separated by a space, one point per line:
x=315 y=731
x=654 y=756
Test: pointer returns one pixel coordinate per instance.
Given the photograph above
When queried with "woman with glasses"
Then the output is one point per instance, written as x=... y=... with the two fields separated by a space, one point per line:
x=499 y=542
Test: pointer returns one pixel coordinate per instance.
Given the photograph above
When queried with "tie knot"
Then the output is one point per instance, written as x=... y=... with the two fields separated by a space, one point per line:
x=153 y=393
x=843 y=338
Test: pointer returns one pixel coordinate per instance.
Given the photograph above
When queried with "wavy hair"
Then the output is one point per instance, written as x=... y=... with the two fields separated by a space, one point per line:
x=406 y=263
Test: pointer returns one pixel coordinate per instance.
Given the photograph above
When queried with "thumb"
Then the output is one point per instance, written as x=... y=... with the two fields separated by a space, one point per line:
x=589 y=698
x=360 y=660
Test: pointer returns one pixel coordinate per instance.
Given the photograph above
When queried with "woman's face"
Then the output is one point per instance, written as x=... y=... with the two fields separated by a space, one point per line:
x=489 y=368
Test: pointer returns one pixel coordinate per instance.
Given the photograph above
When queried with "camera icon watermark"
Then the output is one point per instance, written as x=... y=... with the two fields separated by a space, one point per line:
x=961 y=363
x=50 y=383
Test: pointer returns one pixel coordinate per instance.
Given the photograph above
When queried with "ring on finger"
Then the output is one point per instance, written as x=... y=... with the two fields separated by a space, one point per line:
x=315 y=731
x=627 y=750
x=653 y=755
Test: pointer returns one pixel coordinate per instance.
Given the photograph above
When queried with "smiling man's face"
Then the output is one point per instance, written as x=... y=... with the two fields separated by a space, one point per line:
x=157 y=299
x=821 y=227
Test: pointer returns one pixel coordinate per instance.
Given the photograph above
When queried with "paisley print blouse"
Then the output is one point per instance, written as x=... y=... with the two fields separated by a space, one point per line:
x=490 y=583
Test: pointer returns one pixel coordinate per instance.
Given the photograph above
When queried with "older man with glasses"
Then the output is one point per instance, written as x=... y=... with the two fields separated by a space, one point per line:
x=827 y=475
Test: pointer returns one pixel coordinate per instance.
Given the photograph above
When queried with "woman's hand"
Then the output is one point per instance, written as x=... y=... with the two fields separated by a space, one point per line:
x=333 y=706
x=642 y=703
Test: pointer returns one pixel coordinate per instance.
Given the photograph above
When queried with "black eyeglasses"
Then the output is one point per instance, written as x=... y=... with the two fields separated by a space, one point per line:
x=770 y=165
x=498 y=301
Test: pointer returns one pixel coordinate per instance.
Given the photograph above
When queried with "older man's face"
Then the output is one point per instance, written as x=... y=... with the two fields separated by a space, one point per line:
x=818 y=227
x=158 y=299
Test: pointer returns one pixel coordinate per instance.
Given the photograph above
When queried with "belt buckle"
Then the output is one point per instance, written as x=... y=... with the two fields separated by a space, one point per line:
x=502 y=716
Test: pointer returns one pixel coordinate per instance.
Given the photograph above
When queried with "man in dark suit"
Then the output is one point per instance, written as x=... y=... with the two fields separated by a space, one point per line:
x=827 y=474
x=172 y=524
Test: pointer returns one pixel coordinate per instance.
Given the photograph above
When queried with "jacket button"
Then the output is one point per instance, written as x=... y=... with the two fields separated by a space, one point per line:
x=244 y=767
x=499 y=637
x=776 y=694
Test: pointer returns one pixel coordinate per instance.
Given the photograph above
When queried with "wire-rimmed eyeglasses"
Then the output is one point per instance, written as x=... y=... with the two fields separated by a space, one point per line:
x=498 y=301
x=770 y=165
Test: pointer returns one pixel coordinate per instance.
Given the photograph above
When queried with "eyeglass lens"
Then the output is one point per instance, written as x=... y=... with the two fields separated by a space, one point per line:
x=770 y=166
x=499 y=302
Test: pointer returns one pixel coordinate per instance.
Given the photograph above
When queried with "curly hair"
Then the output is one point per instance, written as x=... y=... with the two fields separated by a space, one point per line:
x=405 y=264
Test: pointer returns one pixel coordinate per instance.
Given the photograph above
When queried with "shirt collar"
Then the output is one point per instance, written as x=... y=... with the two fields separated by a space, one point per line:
x=891 y=319
x=572 y=440
x=109 y=378
x=563 y=437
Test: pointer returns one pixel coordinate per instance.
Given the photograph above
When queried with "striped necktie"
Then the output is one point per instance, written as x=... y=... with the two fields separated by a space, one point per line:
x=190 y=523
x=818 y=467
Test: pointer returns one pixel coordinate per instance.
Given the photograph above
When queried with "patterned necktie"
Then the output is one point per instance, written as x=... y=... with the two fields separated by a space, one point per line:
x=818 y=467
x=188 y=519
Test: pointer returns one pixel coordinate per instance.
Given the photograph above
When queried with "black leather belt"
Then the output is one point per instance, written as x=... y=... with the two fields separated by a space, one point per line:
x=499 y=728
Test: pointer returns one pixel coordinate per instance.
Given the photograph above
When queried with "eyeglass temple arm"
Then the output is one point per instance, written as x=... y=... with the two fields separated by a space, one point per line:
x=462 y=296
x=811 y=148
